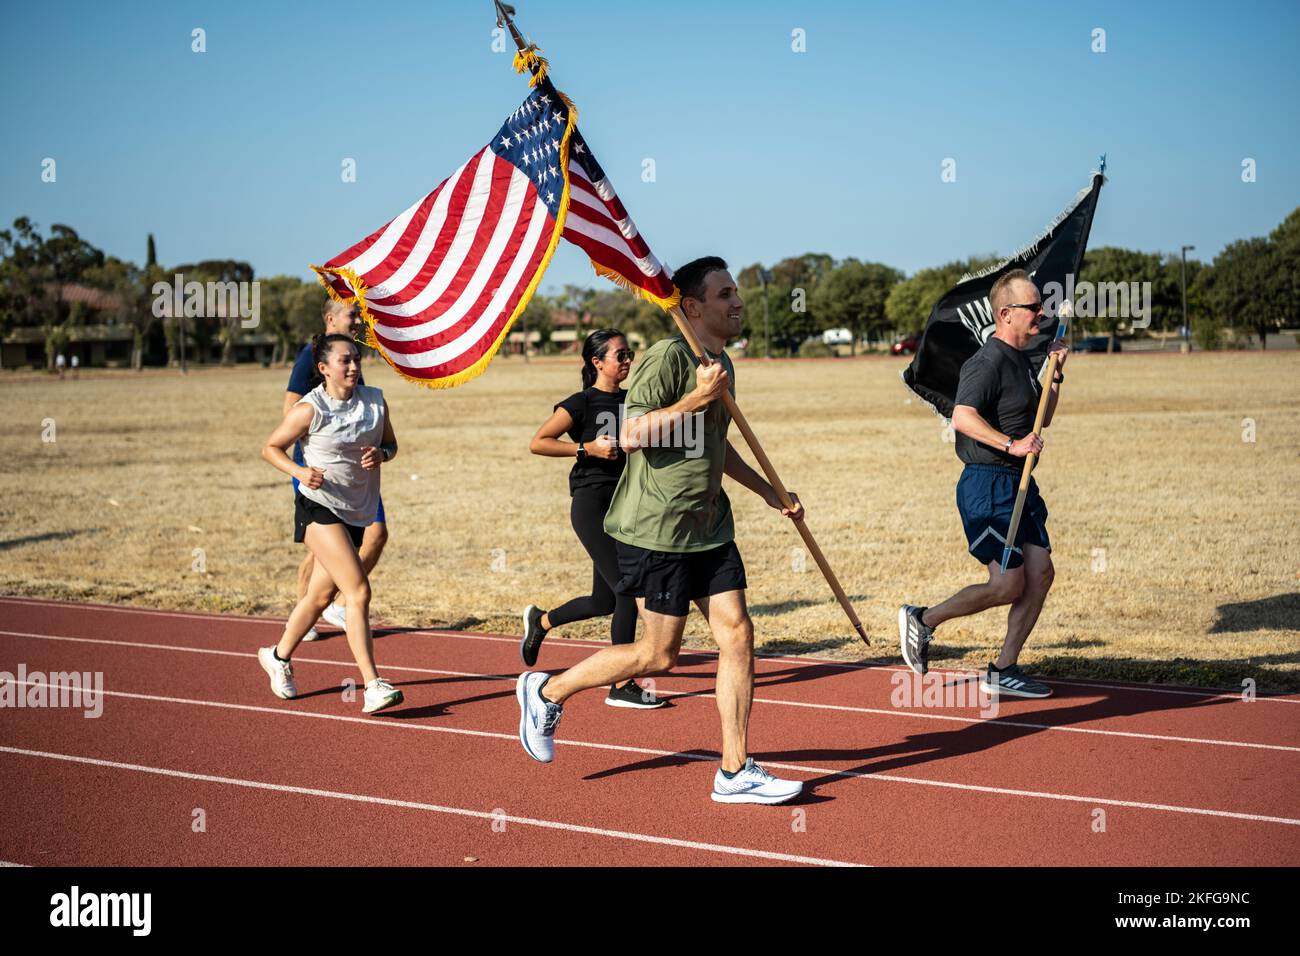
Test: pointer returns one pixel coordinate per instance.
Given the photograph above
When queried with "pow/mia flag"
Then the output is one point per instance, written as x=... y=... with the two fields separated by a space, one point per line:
x=962 y=320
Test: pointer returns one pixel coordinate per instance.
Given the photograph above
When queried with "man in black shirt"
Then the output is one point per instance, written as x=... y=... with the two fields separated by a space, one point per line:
x=997 y=399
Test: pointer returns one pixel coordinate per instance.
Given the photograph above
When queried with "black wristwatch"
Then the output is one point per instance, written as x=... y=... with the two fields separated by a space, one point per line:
x=1059 y=377
x=582 y=453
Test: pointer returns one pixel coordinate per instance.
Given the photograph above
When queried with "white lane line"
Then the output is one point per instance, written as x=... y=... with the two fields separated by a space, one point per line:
x=800 y=661
x=156 y=612
x=649 y=751
x=220 y=653
x=435 y=808
x=883 y=712
x=7 y=863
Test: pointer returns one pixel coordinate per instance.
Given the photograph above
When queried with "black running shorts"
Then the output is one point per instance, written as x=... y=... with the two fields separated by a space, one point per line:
x=670 y=581
x=306 y=511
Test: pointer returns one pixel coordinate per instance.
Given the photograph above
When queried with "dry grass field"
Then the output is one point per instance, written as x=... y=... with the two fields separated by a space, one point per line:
x=1175 y=539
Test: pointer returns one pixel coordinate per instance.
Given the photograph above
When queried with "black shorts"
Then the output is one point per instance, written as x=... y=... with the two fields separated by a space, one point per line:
x=306 y=511
x=669 y=581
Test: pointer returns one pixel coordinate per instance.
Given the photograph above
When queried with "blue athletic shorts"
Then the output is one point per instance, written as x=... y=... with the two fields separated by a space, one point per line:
x=298 y=460
x=986 y=496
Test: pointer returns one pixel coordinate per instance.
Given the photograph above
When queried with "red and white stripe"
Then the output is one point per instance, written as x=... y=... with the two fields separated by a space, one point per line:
x=599 y=224
x=442 y=280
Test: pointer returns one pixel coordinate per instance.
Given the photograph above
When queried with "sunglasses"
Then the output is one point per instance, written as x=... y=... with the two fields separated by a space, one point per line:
x=624 y=355
x=1034 y=307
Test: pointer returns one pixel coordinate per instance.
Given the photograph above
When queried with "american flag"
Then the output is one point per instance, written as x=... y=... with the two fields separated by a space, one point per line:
x=601 y=227
x=441 y=284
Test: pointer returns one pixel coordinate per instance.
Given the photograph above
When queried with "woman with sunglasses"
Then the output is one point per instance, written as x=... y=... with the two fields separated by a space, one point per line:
x=590 y=419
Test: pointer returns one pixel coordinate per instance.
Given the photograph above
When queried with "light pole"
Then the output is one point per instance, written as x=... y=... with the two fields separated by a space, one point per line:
x=1187 y=332
x=765 y=277
x=181 y=320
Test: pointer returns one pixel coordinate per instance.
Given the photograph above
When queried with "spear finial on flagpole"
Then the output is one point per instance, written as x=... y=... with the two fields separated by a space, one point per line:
x=504 y=13
x=529 y=56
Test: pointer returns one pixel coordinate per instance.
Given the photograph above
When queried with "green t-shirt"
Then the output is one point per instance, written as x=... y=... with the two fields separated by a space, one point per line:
x=671 y=498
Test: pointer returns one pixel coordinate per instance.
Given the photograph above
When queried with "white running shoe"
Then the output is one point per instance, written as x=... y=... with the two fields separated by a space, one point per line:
x=335 y=614
x=311 y=634
x=753 y=784
x=280 y=672
x=380 y=695
x=538 y=717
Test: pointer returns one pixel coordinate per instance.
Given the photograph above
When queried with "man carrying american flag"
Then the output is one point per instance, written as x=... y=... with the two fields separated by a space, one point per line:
x=672 y=526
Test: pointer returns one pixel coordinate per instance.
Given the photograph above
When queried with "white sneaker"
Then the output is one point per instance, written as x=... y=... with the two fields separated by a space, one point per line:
x=380 y=695
x=753 y=784
x=538 y=717
x=280 y=672
x=311 y=634
x=335 y=614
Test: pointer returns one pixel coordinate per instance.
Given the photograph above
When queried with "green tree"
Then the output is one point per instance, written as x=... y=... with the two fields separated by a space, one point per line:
x=33 y=275
x=615 y=308
x=225 y=329
x=578 y=300
x=1286 y=245
x=539 y=318
x=909 y=303
x=25 y=294
x=132 y=290
x=1248 y=288
x=290 y=311
x=791 y=296
x=1114 y=266
x=852 y=296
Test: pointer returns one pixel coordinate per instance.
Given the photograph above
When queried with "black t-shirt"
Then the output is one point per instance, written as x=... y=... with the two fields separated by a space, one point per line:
x=998 y=382
x=594 y=413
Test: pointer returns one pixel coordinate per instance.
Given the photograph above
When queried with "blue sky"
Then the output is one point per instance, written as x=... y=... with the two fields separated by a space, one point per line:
x=760 y=152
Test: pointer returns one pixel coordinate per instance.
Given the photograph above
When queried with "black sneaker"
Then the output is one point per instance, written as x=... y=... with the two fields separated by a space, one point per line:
x=534 y=634
x=1014 y=682
x=630 y=695
x=914 y=638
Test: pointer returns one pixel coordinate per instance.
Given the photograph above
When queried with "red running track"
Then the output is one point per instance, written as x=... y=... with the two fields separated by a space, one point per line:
x=193 y=762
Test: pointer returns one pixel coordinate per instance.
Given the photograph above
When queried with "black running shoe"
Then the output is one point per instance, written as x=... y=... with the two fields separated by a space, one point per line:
x=630 y=695
x=1013 y=682
x=914 y=638
x=534 y=634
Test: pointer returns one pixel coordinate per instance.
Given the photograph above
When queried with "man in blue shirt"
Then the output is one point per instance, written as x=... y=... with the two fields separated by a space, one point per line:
x=342 y=318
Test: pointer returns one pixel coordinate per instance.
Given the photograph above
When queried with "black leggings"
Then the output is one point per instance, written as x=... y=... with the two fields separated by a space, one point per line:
x=588 y=516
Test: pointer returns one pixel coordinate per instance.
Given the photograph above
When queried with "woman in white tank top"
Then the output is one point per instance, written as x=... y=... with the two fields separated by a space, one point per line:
x=346 y=434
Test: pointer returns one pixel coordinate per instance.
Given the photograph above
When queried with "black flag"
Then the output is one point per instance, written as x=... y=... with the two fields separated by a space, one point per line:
x=962 y=320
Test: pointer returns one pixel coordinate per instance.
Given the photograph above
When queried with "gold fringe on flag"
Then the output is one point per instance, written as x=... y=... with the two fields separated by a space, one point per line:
x=619 y=279
x=358 y=287
x=530 y=58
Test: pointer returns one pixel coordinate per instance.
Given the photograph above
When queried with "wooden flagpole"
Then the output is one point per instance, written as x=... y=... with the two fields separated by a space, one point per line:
x=773 y=478
x=504 y=19
x=1067 y=309
x=1067 y=312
